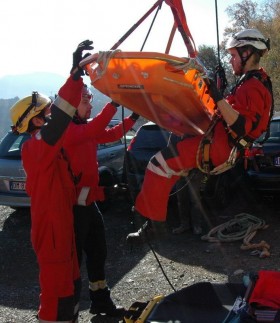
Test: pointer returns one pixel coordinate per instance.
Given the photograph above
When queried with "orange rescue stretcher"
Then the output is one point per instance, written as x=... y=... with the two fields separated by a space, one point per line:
x=162 y=88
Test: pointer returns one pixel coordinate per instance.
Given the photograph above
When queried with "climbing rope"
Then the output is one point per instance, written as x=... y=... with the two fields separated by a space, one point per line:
x=190 y=64
x=103 y=61
x=244 y=227
x=239 y=228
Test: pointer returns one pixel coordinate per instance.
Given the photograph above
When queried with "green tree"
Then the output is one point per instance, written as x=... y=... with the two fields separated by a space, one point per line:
x=208 y=56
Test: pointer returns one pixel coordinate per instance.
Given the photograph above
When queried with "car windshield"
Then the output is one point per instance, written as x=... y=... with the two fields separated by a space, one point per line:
x=10 y=146
x=274 y=133
x=151 y=137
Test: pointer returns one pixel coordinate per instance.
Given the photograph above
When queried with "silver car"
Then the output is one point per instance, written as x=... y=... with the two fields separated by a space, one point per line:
x=12 y=176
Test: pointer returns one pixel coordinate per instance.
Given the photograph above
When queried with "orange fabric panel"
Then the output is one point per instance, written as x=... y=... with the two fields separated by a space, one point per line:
x=179 y=14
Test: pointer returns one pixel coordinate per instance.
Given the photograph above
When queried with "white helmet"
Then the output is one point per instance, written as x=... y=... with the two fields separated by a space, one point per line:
x=249 y=37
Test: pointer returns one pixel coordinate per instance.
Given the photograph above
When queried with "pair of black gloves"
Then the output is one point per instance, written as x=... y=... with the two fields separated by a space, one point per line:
x=77 y=71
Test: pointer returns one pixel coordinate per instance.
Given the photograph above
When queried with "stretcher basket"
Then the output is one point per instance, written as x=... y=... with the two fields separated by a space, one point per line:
x=165 y=89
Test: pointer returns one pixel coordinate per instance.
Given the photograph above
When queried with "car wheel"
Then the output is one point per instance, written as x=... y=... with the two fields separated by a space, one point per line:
x=106 y=177
x=21 y=209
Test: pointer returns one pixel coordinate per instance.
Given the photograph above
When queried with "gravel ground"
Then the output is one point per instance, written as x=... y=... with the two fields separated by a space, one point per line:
x=133 y=272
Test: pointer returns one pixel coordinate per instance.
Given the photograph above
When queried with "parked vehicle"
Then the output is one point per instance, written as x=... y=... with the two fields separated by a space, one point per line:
x=12 y=176
x=148 y=140
x=264 y=160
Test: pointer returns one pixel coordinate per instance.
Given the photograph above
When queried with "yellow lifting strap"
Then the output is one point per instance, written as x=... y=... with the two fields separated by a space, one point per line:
x=138 y=312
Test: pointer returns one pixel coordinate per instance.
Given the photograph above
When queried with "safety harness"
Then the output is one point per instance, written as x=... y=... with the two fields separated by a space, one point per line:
x=239 y=144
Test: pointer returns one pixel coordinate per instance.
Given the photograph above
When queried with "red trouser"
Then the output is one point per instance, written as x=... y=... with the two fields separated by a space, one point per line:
x=153 y=197
x=54 y=244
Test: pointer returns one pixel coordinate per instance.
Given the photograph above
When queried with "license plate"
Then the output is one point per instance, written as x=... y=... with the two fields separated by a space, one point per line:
x=17 y=186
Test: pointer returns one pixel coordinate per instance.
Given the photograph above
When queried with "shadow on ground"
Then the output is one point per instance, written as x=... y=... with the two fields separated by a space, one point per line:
x=133 y=271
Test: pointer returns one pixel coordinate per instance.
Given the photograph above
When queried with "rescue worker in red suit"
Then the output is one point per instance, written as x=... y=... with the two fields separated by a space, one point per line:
x=243 y=116
x=80 y=144
x=52 y=192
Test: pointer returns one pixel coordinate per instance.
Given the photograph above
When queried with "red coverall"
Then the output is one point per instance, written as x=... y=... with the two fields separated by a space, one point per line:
x=52 y=193
x=251 y=99
x=80 y=145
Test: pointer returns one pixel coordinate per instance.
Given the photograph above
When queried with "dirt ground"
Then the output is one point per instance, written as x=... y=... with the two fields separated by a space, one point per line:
x=133 y=272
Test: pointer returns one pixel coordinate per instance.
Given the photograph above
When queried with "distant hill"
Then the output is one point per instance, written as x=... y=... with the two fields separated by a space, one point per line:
x=14 y=87
x=23 y=84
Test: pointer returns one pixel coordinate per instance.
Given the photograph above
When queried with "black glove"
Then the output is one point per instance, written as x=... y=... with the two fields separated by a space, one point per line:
x=213 y=91
x=134 y=116
x=221 y=78
x=115 y=104
x=78 y=57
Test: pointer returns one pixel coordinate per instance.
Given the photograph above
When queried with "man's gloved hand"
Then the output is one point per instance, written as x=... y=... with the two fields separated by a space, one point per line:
x=134 y=116
x=141 y=234
x=115 y=104
x=213 y=91
x=76 y=70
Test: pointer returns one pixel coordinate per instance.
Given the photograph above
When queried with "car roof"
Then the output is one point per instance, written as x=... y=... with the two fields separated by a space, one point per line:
x=152 y=125
x=112 y=122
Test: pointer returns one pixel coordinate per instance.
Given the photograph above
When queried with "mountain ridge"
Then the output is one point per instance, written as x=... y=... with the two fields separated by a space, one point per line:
x=22 y=85
x=14 y=87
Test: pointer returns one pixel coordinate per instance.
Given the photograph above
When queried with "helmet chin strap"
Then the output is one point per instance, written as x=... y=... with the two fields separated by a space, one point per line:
x=78 y=120
x=32 y=127
x=243 y=59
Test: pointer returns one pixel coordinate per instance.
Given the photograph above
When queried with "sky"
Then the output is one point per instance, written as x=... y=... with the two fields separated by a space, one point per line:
x=41 y=35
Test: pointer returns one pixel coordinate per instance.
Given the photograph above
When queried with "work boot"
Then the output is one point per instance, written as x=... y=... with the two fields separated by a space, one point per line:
x=181 y=229
x=101 y=303
x=142 y=234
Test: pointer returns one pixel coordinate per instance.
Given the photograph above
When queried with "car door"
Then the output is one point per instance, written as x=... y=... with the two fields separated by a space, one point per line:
x=111 y=155
x=12 y=175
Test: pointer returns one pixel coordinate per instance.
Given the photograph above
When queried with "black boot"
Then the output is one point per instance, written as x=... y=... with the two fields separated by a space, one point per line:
x=101 y=303
x=143 y=234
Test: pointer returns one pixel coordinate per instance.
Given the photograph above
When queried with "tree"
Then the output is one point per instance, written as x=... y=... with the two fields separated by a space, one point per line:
x=269 y=24
x=242 y=14
x=209 y=58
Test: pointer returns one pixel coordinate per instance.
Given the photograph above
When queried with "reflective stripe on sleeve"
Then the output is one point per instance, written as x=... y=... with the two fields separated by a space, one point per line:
x=82 y=199
x=65 y=106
